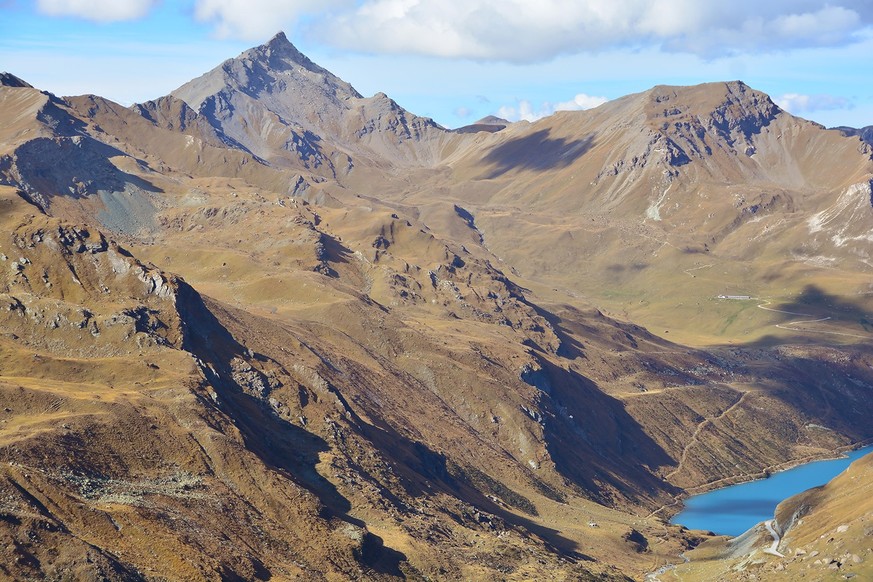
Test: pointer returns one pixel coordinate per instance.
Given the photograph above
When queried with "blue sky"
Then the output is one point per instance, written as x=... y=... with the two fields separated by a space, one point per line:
x=459 y=60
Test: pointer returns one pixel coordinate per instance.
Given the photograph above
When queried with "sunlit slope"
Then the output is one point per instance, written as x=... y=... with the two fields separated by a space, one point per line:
x=654 y=204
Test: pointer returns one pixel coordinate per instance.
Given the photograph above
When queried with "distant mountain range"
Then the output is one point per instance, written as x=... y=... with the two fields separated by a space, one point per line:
x=865 y=133
x=265 y=327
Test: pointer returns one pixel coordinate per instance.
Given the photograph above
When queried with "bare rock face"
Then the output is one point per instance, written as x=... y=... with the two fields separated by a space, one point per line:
x=267 y=71
x=271 y=97
x=732 y=117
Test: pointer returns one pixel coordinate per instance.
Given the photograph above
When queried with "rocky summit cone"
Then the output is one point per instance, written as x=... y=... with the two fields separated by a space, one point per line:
x=266 y=72
x=275 y=103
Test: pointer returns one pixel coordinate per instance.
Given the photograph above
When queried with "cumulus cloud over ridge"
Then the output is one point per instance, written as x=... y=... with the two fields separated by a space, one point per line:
x=800 y=103
x=520 y=30
x=97 y=10
x=524 y=110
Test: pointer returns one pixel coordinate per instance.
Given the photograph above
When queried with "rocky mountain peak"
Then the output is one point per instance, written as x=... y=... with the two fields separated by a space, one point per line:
x=702 y=118
x=275 y=103
x=273 y=68
x=279 y=55
x=10 y=80
x=280 y=49
x=731 y=100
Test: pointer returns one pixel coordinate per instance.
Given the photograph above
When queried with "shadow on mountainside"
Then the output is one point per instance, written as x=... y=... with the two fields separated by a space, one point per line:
x=823 y=369
x=426 y=473
x=830 y=388
x=422 y=471
x=289 y=449
x=603 y=453
x=609 y=450
x=817 y=317
x=537 y=152
x=73 y=167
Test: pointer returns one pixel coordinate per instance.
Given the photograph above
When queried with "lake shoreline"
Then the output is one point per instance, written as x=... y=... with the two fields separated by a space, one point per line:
x=670 y=510
x=733 y=508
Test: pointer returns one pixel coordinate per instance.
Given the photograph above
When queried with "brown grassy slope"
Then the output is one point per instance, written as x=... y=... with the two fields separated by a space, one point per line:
x=653 y=204
x=399 y=263
x=833 y=520
x=108 y=443
x=271 y=469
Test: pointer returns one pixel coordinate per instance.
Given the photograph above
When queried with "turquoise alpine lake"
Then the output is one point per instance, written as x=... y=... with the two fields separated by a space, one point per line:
x=732 y=510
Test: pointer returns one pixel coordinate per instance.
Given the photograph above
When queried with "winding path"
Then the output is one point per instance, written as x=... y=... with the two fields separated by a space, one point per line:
x=801 y=321
x=688 y=271
x=770 y=524
x=699 y=428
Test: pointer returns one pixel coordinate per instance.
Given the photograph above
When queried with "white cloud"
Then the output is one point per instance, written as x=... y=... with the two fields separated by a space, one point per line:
x=523 y=110
x=260 y=19
x=524 y=31
x=519 y=31
x=580 y=101
x=97 y=10
x=800 y=103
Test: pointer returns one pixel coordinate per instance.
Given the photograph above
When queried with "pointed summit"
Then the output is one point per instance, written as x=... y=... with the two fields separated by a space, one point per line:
x=279 y=41
x=280 y=45
x=280 y=54
x=277 y=104
x=269 y=99
x=10 y=80
x=268 y=71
